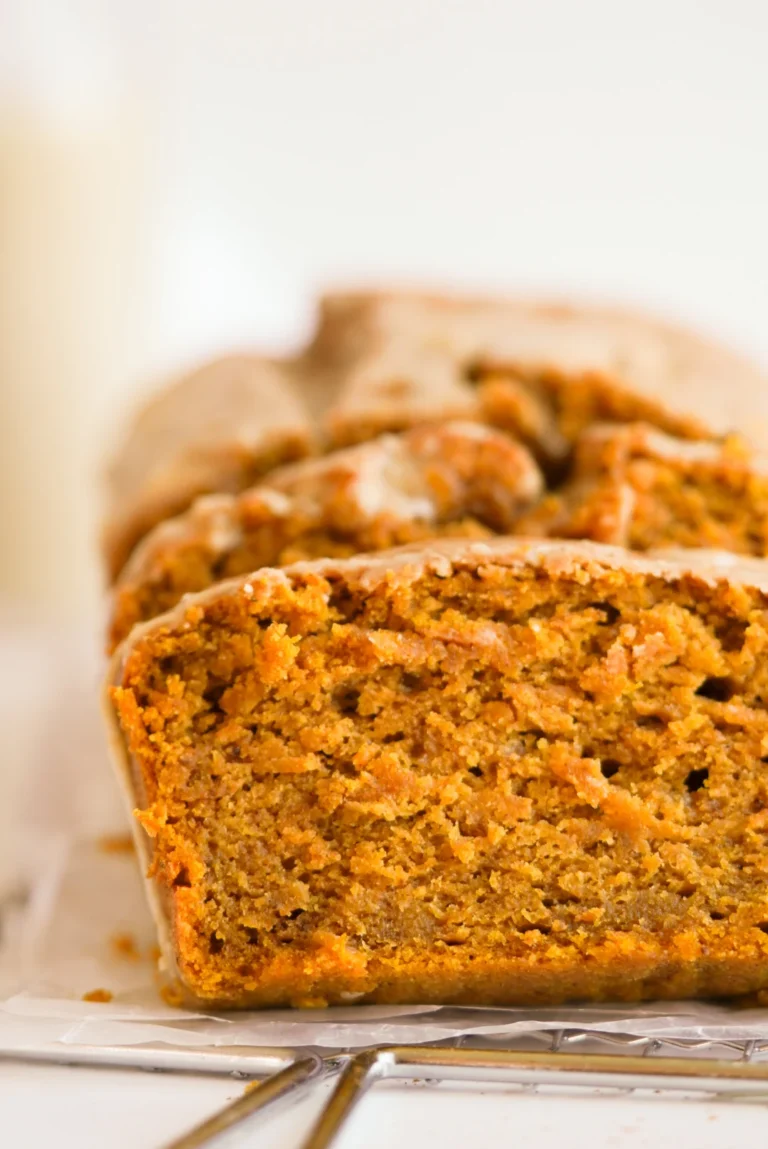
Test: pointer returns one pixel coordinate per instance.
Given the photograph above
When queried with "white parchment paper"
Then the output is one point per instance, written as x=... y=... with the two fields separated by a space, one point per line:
x=87 y=928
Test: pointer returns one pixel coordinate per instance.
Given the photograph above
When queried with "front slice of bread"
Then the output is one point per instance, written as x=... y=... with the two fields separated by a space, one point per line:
x=504 y=772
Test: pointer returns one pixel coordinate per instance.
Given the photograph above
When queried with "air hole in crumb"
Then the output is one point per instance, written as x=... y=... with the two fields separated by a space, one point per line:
x=717 y=689
x=346 y=699
x=181 y=881
x=264 y=623
x=717 y=916
x=252 y=935
x=454 y=943
x=294 y=914
x=763 y=926
x=213 y=695
x=393 y=737
x=609 y=767
x=476 y=770
x=732 y=635
x=215 y=944
x=696 y=779
x=612 y=614
x=410 y=681
x=343 y=602
x=289 y=864
x=650 y=721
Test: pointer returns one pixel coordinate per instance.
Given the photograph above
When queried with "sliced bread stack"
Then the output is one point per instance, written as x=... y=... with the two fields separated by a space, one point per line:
x=473 y=768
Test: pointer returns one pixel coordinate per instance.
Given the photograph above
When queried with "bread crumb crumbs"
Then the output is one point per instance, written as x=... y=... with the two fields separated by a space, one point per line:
x=124 y=946
x=98 y=995
x=116 y=844
x=172 y=995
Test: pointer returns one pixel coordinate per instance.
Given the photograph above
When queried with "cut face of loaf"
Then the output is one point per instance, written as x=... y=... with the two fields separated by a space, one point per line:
x=634 y=486
x=451 y=479
x=500 y=773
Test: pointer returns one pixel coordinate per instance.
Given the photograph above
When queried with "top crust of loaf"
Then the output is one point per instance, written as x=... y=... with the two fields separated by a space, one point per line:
x=641 y=439
x=200 y=435
x=685 y=373
x=453 y=478
x=405 y=565
x=389 y=475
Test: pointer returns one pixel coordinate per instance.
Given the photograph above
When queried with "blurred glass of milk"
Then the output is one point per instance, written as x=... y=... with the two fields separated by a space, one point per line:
x=72 y=264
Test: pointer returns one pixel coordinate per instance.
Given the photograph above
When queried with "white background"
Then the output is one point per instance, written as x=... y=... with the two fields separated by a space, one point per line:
x=178 y=175
x=120 y=1109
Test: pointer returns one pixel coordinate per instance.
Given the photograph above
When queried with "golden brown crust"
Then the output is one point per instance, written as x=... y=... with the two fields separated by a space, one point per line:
x=439 y=341
x=218 y=429
x=501 y=772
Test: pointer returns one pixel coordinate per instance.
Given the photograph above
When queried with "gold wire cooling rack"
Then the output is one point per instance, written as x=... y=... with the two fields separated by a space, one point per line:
x=732 y=1069
x=563 y=1057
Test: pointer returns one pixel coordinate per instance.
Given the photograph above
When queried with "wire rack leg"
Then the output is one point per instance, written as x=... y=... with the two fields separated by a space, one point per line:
x=357 y=1076
x=289 y=1080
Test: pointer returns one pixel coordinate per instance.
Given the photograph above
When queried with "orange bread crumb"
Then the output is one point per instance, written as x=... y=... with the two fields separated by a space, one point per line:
x=116 y=844
x=102 y=996
x=124 y=946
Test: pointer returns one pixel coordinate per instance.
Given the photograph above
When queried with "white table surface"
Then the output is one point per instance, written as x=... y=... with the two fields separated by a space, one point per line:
x=47 y=1106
